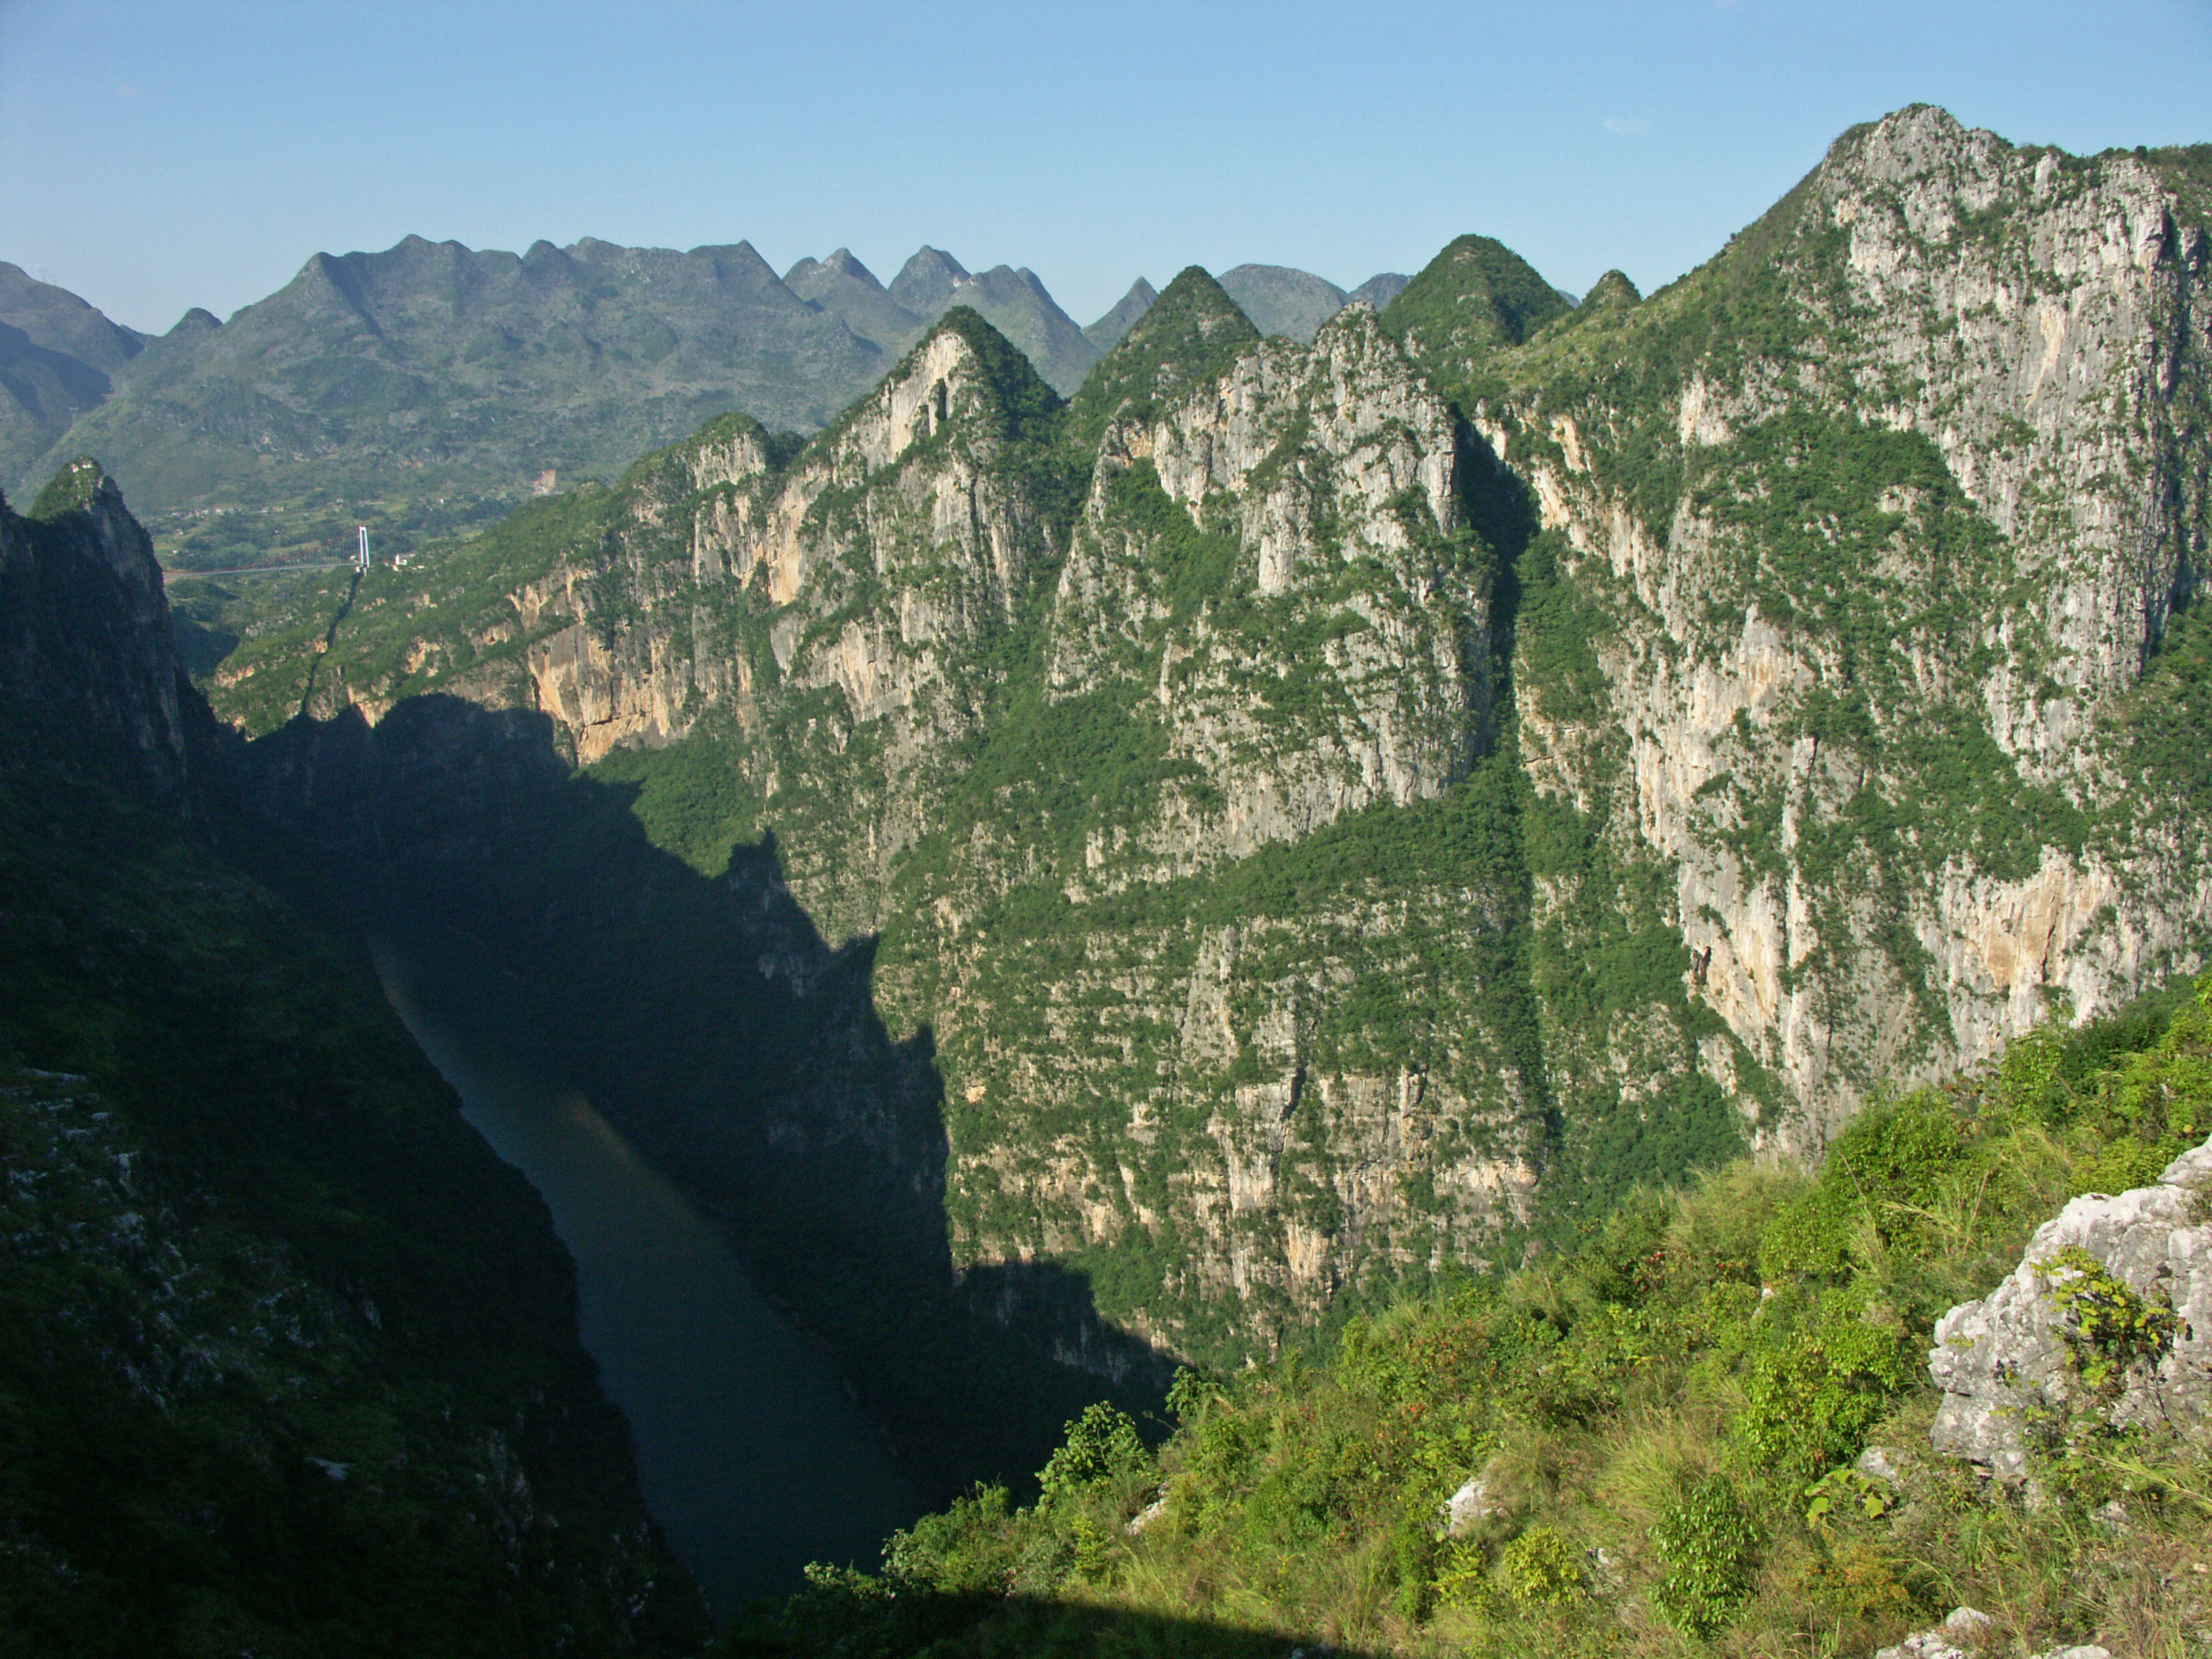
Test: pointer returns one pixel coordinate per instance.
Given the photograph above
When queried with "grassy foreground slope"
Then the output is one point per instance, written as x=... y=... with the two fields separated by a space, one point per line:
x=1665 y=1428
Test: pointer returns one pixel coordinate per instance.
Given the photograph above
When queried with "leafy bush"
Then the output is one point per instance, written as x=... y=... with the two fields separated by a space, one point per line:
x=1814 y=1399
x=1709 y=1545
x=960 y=1549
x=1881 y=1174
x=1102 y=1449
x=2108 y=1329
x=1542 y=1568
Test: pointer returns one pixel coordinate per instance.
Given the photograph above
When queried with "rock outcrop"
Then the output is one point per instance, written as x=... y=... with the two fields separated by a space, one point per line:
x=1960 y=1637
x=2106 y=1320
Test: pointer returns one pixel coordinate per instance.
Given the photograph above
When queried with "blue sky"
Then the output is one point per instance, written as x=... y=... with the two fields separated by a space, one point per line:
x=155 y=156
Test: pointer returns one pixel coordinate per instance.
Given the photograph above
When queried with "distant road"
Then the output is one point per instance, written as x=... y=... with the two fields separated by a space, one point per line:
x=169 y=575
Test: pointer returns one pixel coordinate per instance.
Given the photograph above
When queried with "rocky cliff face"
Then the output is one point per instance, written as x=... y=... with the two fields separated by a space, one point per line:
x=1872 y=532
x=996 y=691
x=84 y=629
x=1336 y=808
x=1271 y=618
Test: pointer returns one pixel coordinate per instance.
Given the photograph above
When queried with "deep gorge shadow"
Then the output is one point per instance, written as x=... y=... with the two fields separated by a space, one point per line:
x=713 y=1025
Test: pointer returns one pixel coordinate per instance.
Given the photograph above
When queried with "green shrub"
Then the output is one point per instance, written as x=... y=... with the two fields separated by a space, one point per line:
x=1814 y=1398
x=1103 y=1447
x=1412 y=1561
x=961 y=1550
x=1882 y=1177
x=1710 y=1546
x=1542 y=1568
x=1812 y=1236
x=2107 y=1327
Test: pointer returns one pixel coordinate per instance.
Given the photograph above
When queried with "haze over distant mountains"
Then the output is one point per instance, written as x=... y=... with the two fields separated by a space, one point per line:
x=1296 y=303
x=424 y=388
x=57 y=357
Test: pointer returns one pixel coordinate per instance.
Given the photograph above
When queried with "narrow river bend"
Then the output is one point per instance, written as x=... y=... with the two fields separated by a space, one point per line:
x=752 y=1456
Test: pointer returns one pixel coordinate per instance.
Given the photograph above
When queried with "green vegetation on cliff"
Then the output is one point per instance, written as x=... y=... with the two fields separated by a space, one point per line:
x=1341 y=831
x=1476 y=296
x=1654 y=1440
x=1189 y=338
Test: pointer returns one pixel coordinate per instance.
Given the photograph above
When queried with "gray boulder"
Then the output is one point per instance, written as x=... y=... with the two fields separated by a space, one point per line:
x=1952 y=1639
x=1962 y=1635
x=2018 y=1369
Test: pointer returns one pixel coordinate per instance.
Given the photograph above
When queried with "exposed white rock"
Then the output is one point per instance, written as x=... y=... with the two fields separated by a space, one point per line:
x=1952 y=1639
x=2004 y=1365
x=2012 y=355
x=1475 y=1502
x=1879 y=1463
x=1137 y=1523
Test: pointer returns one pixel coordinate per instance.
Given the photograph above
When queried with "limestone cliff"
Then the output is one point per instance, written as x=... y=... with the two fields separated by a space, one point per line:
x=1335 y=809
x=994 y=689
x=1867 y=538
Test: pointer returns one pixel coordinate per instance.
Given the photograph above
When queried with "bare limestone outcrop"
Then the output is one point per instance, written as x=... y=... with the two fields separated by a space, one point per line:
x=2106 y=1320
x=1958 y=1638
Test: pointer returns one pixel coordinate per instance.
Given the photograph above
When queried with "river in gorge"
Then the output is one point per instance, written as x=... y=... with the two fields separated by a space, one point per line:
x=752 y=1456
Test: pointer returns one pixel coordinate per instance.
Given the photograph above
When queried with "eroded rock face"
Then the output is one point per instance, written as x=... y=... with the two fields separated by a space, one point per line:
x=1273 y=925
x=1312 y=643
x=1403 y=659
x=84 y=625
x=1335 y=657
x=1789 y=702
x=2017 y=1369
x=1476 y=1500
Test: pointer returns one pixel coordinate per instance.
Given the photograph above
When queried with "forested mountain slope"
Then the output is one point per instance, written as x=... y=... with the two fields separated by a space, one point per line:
x=287 y=1358
x=427 y=387
x=1334 y=816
